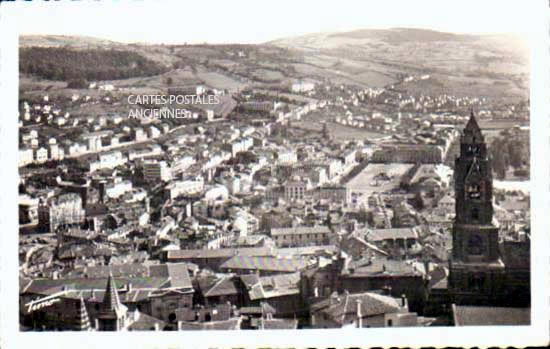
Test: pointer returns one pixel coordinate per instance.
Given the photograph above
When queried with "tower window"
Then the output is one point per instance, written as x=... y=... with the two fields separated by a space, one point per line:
x=473 y=191
x=476 y=282
x=475 y=245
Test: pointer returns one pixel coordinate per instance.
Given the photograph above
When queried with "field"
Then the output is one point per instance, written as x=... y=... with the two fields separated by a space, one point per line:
x=220 y=81
x=366 y=183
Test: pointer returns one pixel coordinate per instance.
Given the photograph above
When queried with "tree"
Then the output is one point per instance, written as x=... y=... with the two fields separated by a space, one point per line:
x=499 y=164
x=77 y=84
x=325 y=131
x=418 y=202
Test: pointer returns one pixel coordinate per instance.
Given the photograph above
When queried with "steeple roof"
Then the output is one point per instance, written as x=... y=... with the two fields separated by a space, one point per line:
x=111 y=301
x=472 y=123
x=82 y=319
x=472 y=132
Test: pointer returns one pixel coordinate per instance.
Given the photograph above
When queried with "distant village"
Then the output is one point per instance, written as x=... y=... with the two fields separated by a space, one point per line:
x=254 y=213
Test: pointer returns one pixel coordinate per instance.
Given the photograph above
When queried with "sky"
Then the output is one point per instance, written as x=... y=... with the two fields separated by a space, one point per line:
x=254 y=21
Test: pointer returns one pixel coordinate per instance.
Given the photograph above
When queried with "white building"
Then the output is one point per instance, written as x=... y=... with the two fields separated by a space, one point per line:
x=154 y=171
x=118 y=188
x=302 y=86
x=287 y=157
x=108 y=161
x=186 y=187
x=26 y=156
x=41 y=155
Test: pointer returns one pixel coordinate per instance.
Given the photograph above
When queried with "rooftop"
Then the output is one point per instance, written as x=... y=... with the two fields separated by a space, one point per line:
x=266 y=263
x=490 y=316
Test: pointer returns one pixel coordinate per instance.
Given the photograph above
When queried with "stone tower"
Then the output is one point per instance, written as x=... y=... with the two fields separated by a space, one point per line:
x=476 y=269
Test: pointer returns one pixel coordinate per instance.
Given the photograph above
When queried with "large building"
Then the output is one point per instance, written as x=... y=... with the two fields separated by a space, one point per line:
x=480 y=270
x=155 y=171
x=59 y=211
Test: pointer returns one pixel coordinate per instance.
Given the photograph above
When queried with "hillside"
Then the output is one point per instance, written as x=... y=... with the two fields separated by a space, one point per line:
x=492 y=66
x=61 y=63
x=487 y=65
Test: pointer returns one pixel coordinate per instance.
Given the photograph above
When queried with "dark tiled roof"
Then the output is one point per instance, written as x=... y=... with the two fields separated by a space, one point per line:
x=219 y=253
x=386 y=267
x=392 y=233
x=177 y=273
x=102 y=271
x=490 y=316
x=224 y=286
x=343 y=307
x=272 y=264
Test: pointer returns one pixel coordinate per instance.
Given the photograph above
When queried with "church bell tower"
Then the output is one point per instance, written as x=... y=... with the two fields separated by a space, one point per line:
x=476 y=269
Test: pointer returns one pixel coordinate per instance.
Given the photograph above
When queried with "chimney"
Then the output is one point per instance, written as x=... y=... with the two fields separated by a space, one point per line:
x=157 y=326
x=404 y=301
x=180 y=323
x=129 y=287
x=359 y=314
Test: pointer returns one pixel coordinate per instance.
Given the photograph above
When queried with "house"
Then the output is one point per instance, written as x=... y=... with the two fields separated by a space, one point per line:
x=280 y=293
x=398 y=277
x=213 y=290
x=300 y=236
x=360 y=310
x=295 y=189
x=393 y=237
x=41 y=155
x=107 y=160
x=264 y=265
x=357 y=247
x=156 y=171
x=26 y=156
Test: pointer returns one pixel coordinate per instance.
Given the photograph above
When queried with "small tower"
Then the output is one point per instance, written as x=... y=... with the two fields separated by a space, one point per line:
x=82 y=319
x=112 y=315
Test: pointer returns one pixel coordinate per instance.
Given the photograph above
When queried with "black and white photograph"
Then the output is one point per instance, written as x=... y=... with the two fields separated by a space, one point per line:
x=293 y=166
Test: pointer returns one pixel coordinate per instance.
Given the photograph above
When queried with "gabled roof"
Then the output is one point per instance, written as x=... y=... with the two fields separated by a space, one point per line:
x=391 y=233
x=219 y=253
x=177 y=273
x=340 y=308
x=225 y=286
x=380 y=267
x=267 y=263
